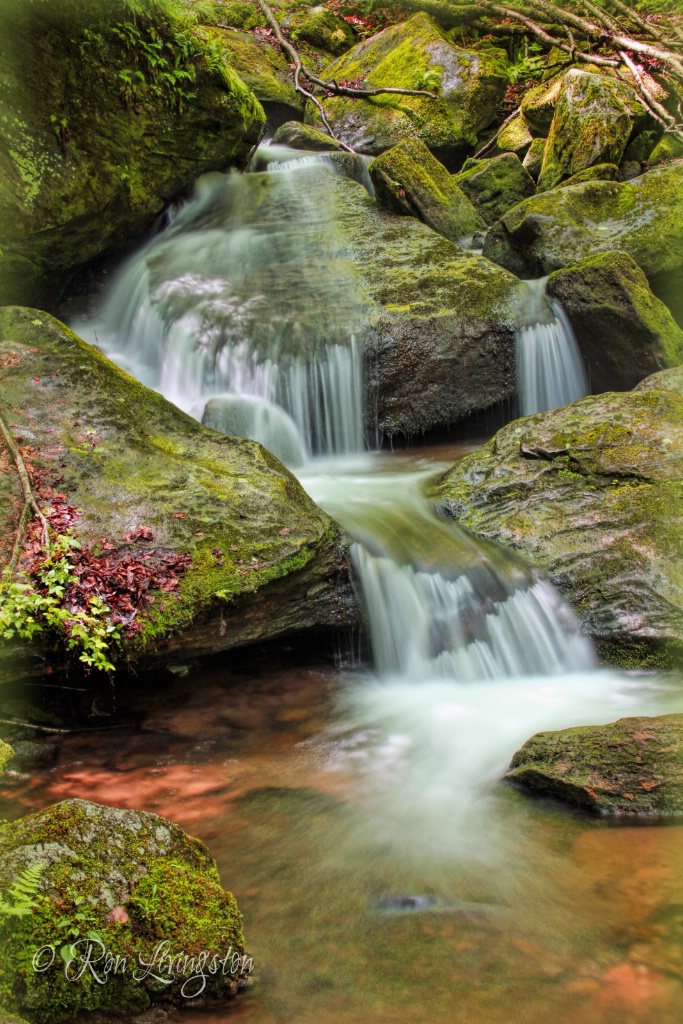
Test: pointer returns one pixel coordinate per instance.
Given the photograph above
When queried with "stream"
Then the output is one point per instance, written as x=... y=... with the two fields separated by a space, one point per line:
x=384 y=872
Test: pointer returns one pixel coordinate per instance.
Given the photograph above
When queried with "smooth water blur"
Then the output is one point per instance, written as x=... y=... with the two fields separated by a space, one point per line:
x=550 y=370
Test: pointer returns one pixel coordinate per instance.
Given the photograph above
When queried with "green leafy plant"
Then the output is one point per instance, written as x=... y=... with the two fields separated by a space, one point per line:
x=429 y=80
x=74 y=928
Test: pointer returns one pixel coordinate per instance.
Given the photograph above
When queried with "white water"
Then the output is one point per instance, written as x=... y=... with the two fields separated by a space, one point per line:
x=244 y=313
x=550 y=370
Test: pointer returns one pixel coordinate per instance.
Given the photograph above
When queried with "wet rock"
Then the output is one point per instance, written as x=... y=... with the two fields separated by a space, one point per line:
x=149 y=479
x=594 y=118
x=408 y=180
x=593 y=494
x=624 y=332
x=416 y=54
x=131 y=878
x=302 y=136
x=630 y=767
x=320 y=28
x=552 y=229
x=494 y=186
x=93 y=159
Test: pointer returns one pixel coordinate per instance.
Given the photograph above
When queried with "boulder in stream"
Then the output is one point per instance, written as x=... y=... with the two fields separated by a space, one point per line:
x=408 y=180
x=220 y=536
x=593 y=494
x=494 y=186
x=627 y=768
x=416 y=54
x=624 y=332
x=121 y=881
x=92 y=160
x=297 y=135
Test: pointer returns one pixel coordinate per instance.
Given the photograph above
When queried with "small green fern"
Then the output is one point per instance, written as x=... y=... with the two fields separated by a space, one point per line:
x=22 y=893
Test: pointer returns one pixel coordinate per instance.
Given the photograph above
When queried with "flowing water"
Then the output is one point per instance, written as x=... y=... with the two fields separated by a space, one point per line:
x=384 y=872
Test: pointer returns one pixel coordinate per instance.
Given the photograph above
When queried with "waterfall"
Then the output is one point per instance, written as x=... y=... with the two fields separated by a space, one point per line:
x=247 y=296
x=550 y=371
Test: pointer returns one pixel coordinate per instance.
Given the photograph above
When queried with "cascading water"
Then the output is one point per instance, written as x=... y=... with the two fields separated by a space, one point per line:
x=550 y=371
x=245 y=314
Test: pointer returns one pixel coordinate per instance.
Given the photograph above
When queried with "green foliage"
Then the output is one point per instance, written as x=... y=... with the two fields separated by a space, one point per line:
x=28 y=607
x=429 y=80
x=75 y=927
x=528 y=64
x=20 y=900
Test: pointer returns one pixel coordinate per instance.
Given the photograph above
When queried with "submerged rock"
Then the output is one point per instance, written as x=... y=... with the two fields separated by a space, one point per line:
x=624 y=332
x=496 y=185
x=416 y=54
x=148 y=480
x=408 y=180
x=644 y=218
x=630 y=767
x=124 y=881
x=593 y=494
x=92 y=159
x=594 y=118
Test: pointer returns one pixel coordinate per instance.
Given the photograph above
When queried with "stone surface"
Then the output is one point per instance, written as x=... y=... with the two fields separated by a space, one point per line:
x=92 y=153
x=593 y=494
x=515 y=137
x=538 y=104
x=595 y=116
x=302 y=136
x=6 y=755
x=408 y=180
x=533 y=161
x=416 y=54
x=644 y=218
x=265 y=559
x=624 y=332
x=630 y=767
x=132 y=878
x=497 y=185
x=320 y=28
x=600 y=172
x=265 y=70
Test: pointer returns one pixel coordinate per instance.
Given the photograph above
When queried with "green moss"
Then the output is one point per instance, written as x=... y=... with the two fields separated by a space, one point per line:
x=600 y=172
x=320 y=28
x=495 y=186
x=261 y=67
x=6 y=755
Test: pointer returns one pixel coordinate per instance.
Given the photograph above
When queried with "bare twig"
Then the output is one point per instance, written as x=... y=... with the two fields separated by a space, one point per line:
x=653 y=104
x=29 y=496
x=487 y=145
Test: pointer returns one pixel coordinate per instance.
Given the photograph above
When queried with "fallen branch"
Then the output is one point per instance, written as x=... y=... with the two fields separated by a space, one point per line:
x=487 y=145
x=29 y=496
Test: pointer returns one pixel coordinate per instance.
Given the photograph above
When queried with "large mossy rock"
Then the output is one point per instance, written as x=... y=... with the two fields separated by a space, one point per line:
x=538 y=105
x=126 y=881
x=515 y=137
x=624 y=332
x=643 y=218
x=98 y=136
x=630 y=767
x=412 y=182
x=441 y=319
x=320 y=28
x=494 y=186
x=593 y=494
x=302 y=136
x=265 y=70
x=416 y=54
x=595 y=116
x=265 y=559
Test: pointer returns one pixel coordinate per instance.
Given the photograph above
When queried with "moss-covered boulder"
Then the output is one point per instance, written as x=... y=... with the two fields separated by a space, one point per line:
x=533 y=161
x=595 y=116
x=538 y=104
x=668 y=148
x=441 y=319
x=265 y=70
x=6 y=755
x=104 y=118
x=515 y=137
x=601 y=172
x=416 y=54
x=107 y=883
x=320 y=28
x=630 y=767
x=624 y=332
x=302 y=136
x=644 y=218
x=593 y=494
x=410 y=181
x=494 y=186
x=146 y=482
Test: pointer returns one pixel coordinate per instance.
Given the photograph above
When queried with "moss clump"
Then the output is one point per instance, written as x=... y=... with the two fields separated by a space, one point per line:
x=538 y=104
x=224 y=501
x=601 y=172
x=630 y=767
x=6 y=755
x=241 y=15
x=625 y=333
x=320 y=28
x=495 y=186
x=411 y=182
x=515 y=137
x=261 y=67
x=668 y=148
x=415 y=54
x=610 y=531
x=124 y=880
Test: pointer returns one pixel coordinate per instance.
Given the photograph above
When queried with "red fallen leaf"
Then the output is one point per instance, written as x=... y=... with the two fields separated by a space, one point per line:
x=199 y=533
x=285 y=531
x=36 y=380
x=142 y=533
x=179 y=515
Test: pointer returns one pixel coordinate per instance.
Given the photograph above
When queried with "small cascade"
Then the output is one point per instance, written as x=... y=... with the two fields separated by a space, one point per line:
x=247 y=293
x=550 y=371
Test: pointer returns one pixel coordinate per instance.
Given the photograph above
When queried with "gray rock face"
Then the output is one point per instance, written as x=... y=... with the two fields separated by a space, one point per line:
x=593 y=494
x=630 y=767
x=623 y=331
